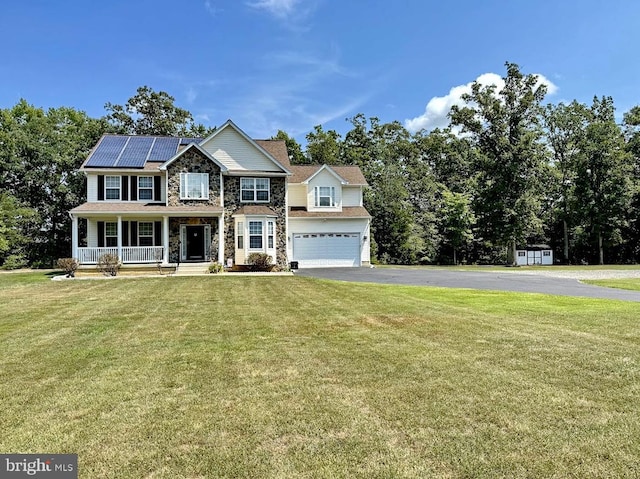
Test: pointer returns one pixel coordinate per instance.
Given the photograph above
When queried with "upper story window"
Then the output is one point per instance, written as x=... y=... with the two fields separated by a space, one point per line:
x=194 y=186
x=145 y=187
x=325 y=196
x=112 y=187
x=254 y=189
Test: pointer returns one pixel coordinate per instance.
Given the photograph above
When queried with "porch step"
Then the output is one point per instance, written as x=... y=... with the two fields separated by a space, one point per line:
x=192 y=269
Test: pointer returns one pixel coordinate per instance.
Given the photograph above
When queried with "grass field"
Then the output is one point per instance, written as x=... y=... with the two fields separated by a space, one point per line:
x=249 y=377
x=628 y=283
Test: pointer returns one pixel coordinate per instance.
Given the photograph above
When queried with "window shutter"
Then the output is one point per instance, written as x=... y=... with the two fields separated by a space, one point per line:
x=134 y=188
x=100 y=234
x=317 y=197
x=134 y=233
x=101 y=188
x=157 y=191
x=125 y=187
x=182 y=186
x=158 y=233
x=125 y=233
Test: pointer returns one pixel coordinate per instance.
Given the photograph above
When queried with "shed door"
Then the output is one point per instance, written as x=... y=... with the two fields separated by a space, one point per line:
x=326 y=249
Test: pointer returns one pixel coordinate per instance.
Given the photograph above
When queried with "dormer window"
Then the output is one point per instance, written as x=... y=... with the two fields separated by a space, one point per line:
x=194 y=186
x=254 y=190
x=325 y=196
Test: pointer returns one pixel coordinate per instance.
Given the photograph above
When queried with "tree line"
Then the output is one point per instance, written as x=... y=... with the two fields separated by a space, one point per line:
x=509 y=170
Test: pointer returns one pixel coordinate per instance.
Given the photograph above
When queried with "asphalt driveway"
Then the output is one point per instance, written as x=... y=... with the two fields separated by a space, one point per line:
x=497 y=281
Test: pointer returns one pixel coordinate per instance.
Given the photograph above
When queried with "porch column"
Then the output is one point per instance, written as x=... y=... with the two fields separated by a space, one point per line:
x=221 y=239
x=120 y=238
x=165 y=239
x=74 y=236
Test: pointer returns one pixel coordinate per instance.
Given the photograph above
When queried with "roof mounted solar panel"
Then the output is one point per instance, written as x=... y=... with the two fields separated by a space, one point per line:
x=107 y=152
x=164 y=149
x=188 y=141
x=135 y=152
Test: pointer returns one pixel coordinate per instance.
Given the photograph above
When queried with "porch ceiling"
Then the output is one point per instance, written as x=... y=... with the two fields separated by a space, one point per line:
x=155 y=209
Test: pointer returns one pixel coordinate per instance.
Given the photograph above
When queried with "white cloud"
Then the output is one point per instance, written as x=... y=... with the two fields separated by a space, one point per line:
x=437 y=110
x=211 y=8
x=278 y=8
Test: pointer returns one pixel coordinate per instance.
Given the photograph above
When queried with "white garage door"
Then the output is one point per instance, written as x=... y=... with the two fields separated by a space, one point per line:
x=326 y=249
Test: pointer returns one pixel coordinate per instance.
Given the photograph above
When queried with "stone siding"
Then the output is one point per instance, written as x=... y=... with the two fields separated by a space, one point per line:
x=277 y=203
x=193 y=161
x=174 y=235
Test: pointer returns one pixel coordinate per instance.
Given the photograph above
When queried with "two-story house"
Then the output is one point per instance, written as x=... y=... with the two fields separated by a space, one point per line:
x=173 y=200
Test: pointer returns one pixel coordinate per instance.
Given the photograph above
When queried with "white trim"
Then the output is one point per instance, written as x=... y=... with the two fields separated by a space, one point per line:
x=330 y=170
x=165 y=239
x=255 y=190
x=164 y=165
x=204 y=186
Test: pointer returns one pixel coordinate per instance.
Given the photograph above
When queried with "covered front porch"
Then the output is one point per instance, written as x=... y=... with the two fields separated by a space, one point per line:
x=147 y=240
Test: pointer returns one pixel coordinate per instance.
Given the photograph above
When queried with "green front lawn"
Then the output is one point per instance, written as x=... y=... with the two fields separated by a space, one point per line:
x=627 y=283
x=262 y=377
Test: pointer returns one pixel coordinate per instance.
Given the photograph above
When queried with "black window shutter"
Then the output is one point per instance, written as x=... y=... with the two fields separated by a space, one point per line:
x=134 y=188
x=134 y=233
x=125 y=233
x=156 y=188
x=100 y=234
x=100 y=188
x=125 y=188
x=158 y=233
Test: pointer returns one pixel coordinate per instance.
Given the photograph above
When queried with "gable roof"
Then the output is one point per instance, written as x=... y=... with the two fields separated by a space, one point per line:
x=197 y=147
x=351 y=174
x=261 y=149
x=277 y=149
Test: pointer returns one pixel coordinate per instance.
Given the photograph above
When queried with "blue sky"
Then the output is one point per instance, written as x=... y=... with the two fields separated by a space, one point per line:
x=292 y=64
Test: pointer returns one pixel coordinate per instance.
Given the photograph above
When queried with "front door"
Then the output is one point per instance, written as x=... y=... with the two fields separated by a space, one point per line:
x=195 y=243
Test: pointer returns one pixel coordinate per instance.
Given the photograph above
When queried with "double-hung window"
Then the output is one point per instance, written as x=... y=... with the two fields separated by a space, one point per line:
x=325 y=196
x=255 y=234
x=145 y=187
x=112 y=187
x=111 y=234
x=270 y=234
x=194 y=186
x=145 y=233
x=254 y=190
x=240 y=235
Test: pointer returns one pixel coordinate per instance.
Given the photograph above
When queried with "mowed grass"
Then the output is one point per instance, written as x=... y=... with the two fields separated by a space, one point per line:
x=627 y=283
x=258 y=377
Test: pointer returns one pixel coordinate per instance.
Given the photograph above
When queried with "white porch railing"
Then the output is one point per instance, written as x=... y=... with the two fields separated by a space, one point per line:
x=129 y=254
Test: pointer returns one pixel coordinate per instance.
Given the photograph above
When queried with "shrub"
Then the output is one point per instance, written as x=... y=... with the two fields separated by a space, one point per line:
x=215 y=268
x=259 y=262
x=109 y=264
x=14 y=261
x=69 y=266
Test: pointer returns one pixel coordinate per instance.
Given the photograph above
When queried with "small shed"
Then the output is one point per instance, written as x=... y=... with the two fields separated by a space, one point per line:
x=534 y=254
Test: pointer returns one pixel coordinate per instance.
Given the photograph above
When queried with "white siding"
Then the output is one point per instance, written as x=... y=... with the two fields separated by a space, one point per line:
x=92 y=187
x=351 y=196
x=297 y=195
x=324 y=178
x=236 y=153
x=313 y=225
x=92 y=233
